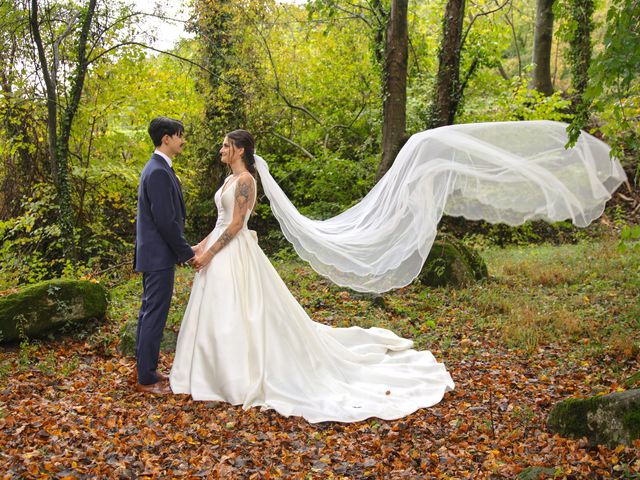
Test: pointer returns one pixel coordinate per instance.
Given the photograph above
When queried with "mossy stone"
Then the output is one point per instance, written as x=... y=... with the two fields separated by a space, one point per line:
x=604 y=420
x=451 y=263
x=50 y=305
x=128 y=339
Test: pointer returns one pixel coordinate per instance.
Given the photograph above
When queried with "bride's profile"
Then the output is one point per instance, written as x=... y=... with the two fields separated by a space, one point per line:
x=244 y=338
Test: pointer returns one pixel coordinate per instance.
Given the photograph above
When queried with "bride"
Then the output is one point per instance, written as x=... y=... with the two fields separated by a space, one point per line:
x=245 y=340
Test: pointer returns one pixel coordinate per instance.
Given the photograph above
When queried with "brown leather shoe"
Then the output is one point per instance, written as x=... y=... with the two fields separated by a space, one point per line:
x=158 y=388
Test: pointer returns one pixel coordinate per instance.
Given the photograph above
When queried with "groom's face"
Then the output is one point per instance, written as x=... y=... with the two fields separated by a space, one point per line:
x=175 y=142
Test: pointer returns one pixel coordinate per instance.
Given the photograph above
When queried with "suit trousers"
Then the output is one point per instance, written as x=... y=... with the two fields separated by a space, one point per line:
x=157 y=290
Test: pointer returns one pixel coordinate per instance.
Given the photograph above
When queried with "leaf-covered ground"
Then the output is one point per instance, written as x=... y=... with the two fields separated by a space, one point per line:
x=551 y=323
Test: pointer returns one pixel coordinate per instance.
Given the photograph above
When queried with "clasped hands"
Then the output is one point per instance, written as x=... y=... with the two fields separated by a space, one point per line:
x=201 y=258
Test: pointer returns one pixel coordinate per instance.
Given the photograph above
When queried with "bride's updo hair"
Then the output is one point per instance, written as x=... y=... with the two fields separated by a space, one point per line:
x=243 y=139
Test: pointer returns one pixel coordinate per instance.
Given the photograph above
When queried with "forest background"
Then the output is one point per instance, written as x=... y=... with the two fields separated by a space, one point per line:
x=330 y=89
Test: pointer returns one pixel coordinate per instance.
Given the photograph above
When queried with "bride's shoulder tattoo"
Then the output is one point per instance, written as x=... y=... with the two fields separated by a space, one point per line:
x=243 y=192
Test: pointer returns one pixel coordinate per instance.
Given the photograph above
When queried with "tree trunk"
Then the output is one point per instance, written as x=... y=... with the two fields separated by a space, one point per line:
x=51 y=89
x=215 y=25
x=580 y=43
x=543 y=38
x=59 y=134
x=396 y=54
x=447 y=90
x=580 y=47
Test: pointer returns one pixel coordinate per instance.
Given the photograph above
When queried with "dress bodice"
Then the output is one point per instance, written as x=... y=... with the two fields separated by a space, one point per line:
x=225 y=202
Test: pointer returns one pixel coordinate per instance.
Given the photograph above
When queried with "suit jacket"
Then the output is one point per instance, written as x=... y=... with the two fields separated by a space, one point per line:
x=160 y=242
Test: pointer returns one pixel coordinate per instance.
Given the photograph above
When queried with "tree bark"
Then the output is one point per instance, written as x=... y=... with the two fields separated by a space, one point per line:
x=447 y=92
x=580 y=48
x=60 y=131
x=51 y=90
x=580 y=44
x=396 y=54
x=542 y=41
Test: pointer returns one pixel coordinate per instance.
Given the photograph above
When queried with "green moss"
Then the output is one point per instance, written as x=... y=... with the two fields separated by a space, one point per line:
x=631 y=422
x=452 y=263
x=608 y=420
x=48 y=305
x=569 y=418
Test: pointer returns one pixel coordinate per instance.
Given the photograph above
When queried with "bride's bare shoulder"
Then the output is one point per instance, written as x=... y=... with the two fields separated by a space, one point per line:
x=246 y=177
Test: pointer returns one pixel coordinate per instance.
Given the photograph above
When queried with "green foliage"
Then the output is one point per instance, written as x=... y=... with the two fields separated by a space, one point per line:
x=325 y=186
x=629 y=238
x=615 y=87
x=31 y=246
x=519 y=102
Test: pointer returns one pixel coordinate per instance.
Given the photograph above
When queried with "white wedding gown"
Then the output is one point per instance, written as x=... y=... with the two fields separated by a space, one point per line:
x=245 y=340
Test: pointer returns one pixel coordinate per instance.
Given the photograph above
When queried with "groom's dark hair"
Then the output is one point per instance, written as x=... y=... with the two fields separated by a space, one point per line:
x=161 y=126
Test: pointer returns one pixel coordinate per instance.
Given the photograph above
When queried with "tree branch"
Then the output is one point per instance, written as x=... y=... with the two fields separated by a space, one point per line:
x=482 y=14
x=171 y=54
x=277 y=86
x=291 y=142
x=515 y=42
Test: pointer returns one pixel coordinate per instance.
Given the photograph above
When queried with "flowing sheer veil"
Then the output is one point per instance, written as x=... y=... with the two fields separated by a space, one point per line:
x=507 y=172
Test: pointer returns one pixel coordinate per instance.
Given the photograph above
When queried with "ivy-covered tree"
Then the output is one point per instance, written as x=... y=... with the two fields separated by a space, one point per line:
x=578 y=27
x=218 y=31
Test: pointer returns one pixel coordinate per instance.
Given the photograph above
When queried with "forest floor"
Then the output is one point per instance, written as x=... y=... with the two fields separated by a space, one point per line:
x=552 y=322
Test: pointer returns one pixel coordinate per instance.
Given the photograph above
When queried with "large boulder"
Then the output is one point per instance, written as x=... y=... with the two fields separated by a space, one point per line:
x=605 y=420
x=50 y=305
x=451 y=263
x=128 y=338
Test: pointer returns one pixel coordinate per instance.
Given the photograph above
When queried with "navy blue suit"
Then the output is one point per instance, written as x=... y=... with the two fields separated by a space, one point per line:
x=160 y=245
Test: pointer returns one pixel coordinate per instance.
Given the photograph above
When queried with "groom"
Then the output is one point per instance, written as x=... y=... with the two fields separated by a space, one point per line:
x=160 y=245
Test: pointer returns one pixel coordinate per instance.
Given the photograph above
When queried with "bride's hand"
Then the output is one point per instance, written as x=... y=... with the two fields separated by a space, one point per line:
x=202 y=260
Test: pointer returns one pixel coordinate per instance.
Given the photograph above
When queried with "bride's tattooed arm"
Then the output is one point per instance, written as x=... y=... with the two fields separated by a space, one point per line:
x=244 y=198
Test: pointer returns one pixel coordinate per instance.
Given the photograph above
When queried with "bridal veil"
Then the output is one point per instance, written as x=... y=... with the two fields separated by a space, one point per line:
x=507 y=172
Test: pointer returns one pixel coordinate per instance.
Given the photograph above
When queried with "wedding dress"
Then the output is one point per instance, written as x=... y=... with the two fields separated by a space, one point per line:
x=245 y=340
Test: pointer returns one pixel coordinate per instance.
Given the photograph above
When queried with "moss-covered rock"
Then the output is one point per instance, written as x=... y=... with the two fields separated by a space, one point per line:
x=50 y=305
x=128 y=339
x=605 y=420
x=451 y=263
